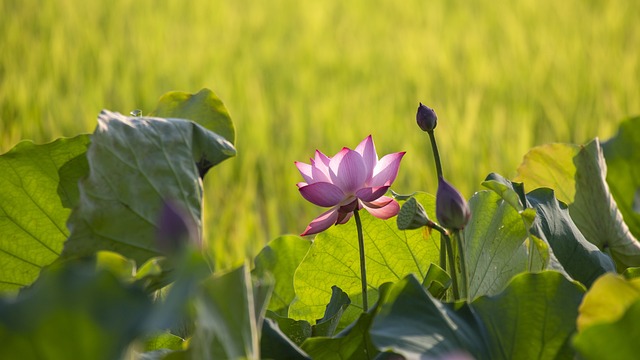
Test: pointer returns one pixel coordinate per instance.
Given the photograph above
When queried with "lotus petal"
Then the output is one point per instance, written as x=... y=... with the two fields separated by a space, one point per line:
x=305 y=170
x=322 y=194
x=371 y=193
x=386 y=170
x=320 y=171
x=349 y=174
x=367 y=149
x=383 y=208
x=322 y=222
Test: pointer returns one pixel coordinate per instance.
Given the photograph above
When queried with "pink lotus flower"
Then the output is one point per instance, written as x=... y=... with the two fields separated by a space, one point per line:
x=352 y=179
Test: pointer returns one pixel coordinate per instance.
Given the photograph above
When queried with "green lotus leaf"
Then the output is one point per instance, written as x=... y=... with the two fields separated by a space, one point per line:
x=281 y=257
x=136 y=164
x=39 y=189
x=333 y=259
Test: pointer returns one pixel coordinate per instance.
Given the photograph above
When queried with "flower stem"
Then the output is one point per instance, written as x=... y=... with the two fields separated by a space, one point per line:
x=443 y=254
x=436 y=157
x=436 y=154
x=446 y=250
x=461 y=265
x=452 y=267
x=363 y=269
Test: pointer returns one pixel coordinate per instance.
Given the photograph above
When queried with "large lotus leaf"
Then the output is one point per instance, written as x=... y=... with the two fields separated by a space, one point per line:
x=190 y=268
x=615 y=340
x=415 y=325
x=39 y=188
x=72 y=310
x=595 y=211
x=551 y=166
x=578 y=174
x=137 y=163
x=281 y=258
x=354 y=341
x=332 y=314
x=296 y=330
x=333 y=259
x=205 y=108
x=581 y=259
x=163 y=341
x=299 y=330
x=533 y=318
x=514 y=194
x=229 y=315
x=495 y=243
x=623 y=173
x=608 y=299
x=274 y=344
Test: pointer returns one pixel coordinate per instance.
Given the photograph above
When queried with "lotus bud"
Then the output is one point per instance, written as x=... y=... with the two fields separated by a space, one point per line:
x=176 y=229
x=426 y=118
x=452 y=209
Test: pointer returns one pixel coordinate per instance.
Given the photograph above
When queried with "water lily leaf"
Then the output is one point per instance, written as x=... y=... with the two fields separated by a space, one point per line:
x=616 y=340
x=550 y=166
x=135 y=164
x=623 y=172
x=39 y=189
x=533 y=318
x=333 y=259
x=495 y=243
x=204 y=108
x=281 y=258
x=72 y=309
x=582 y=260
x=230 y=311
x=415 y=325
x=608 y=299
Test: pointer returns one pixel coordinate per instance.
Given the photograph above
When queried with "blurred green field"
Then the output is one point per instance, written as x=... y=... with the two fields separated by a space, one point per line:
x=301 y=75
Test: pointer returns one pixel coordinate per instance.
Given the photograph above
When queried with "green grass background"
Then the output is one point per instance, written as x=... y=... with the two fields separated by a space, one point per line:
x=301 y=75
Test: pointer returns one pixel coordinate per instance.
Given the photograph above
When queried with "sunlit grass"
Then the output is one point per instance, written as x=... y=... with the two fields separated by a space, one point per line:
x=298 y=75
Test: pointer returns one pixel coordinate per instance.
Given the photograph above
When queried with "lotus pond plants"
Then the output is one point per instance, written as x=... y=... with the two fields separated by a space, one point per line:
x=102 y=253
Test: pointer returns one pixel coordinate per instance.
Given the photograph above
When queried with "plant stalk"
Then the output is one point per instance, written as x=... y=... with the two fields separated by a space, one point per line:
x=363 y=268
x=446 y=250
x=452 y=267
x=443 y=254
x=436 y=157
x=436 y=154
x=461 y=265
